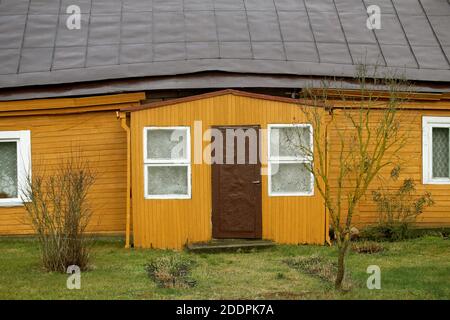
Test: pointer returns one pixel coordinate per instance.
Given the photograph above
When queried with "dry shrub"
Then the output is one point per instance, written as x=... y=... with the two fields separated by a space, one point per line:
x=367 y=247
x=170 y=271
x=59 y=211
x=401 y=205
x=319 y=267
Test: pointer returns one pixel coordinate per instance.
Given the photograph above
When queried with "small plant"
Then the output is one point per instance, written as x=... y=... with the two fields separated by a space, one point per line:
x=387 y=232
x=367 y=247
x=280 y=276
x=171 y=271
x=319 y=267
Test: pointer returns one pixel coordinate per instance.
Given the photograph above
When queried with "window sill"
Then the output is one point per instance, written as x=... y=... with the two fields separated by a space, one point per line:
x=305 y=194
x=168 y=197
x=437 y=182
x=11 y=203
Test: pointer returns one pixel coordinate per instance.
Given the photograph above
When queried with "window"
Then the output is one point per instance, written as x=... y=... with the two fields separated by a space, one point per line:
x=15 y=164
x=288 y=161
x=167 y=163
x=436 y=150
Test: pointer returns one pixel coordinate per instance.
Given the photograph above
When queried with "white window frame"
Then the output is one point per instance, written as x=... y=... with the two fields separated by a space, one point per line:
x=428 y=123
x=168 y=163
x=271 y=160
x=23 y=140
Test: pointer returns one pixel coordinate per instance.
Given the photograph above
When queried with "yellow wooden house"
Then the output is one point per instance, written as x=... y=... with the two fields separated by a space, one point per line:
x=128 y=81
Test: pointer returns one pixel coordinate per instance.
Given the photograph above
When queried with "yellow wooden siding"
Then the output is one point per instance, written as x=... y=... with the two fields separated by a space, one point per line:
x=410 y=159
x=172 y=223
x=100 y=138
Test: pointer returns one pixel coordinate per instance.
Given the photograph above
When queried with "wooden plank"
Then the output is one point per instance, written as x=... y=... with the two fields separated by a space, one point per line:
x=219 y=93
x=61 y=103
x=355 y=93
x=73 y=110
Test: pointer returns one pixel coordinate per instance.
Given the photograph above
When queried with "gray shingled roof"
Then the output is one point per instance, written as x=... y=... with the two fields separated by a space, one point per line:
x=139 y=38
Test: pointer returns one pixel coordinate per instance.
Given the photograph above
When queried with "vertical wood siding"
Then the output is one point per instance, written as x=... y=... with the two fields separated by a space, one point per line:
x=100 y=138
x=172 y=223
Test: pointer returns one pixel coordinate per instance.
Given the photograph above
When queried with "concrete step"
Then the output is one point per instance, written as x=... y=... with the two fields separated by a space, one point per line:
x=229 y=245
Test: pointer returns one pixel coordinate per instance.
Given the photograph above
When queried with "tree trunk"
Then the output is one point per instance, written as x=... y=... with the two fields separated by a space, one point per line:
x=341 y=267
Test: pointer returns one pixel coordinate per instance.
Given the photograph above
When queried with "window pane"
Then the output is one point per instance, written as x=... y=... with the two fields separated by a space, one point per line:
x=289 y=141
x=8 y=170
x=441 y=153
x=166 y=144
x=290 y=178
x=167 y=180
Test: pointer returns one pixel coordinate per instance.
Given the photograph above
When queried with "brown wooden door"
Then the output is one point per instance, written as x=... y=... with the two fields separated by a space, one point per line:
x=236 y=189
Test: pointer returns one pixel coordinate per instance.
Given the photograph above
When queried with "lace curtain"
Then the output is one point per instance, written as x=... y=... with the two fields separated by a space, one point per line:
x=441 y=154
x=8 y=169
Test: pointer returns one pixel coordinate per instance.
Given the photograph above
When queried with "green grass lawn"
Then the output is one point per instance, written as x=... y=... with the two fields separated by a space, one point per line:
x=415 y=269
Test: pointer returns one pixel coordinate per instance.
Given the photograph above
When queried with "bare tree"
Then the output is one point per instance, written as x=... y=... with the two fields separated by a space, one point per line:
x=352 y=144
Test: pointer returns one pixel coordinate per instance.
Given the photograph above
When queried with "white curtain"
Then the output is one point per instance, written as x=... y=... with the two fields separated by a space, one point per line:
x=8 y=169
x=441 y=154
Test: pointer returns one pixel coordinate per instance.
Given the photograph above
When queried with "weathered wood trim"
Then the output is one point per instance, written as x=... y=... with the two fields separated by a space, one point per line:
x=405 y=106
x=435 y=101
x=381 y=94
x=65 y=111
x=65 y=103
x=233 y=92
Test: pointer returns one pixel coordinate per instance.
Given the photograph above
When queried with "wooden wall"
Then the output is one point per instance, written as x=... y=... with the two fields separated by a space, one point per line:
x=410 y=160
x=172 y=223
x=54 y=134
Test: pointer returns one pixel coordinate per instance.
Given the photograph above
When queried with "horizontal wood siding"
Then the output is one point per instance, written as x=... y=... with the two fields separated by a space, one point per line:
x=100 y=138
x=411 y=166
x=172 y=223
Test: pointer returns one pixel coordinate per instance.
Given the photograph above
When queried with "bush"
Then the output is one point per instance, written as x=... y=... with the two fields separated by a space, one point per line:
x=59 y=212
x=401 y=206
x=397 y=209
x=170 y=271
x=386 y=233
x=367 y=247
x=319 y=267
x=400 y=232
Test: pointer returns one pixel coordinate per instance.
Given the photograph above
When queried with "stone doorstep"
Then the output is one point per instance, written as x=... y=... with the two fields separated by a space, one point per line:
x=228 y=245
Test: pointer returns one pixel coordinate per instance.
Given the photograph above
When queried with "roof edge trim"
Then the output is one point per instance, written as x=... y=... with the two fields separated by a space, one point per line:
x=217 y=94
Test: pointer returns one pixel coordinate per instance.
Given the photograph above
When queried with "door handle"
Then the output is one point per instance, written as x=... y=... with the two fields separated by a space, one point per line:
x=256 y=182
